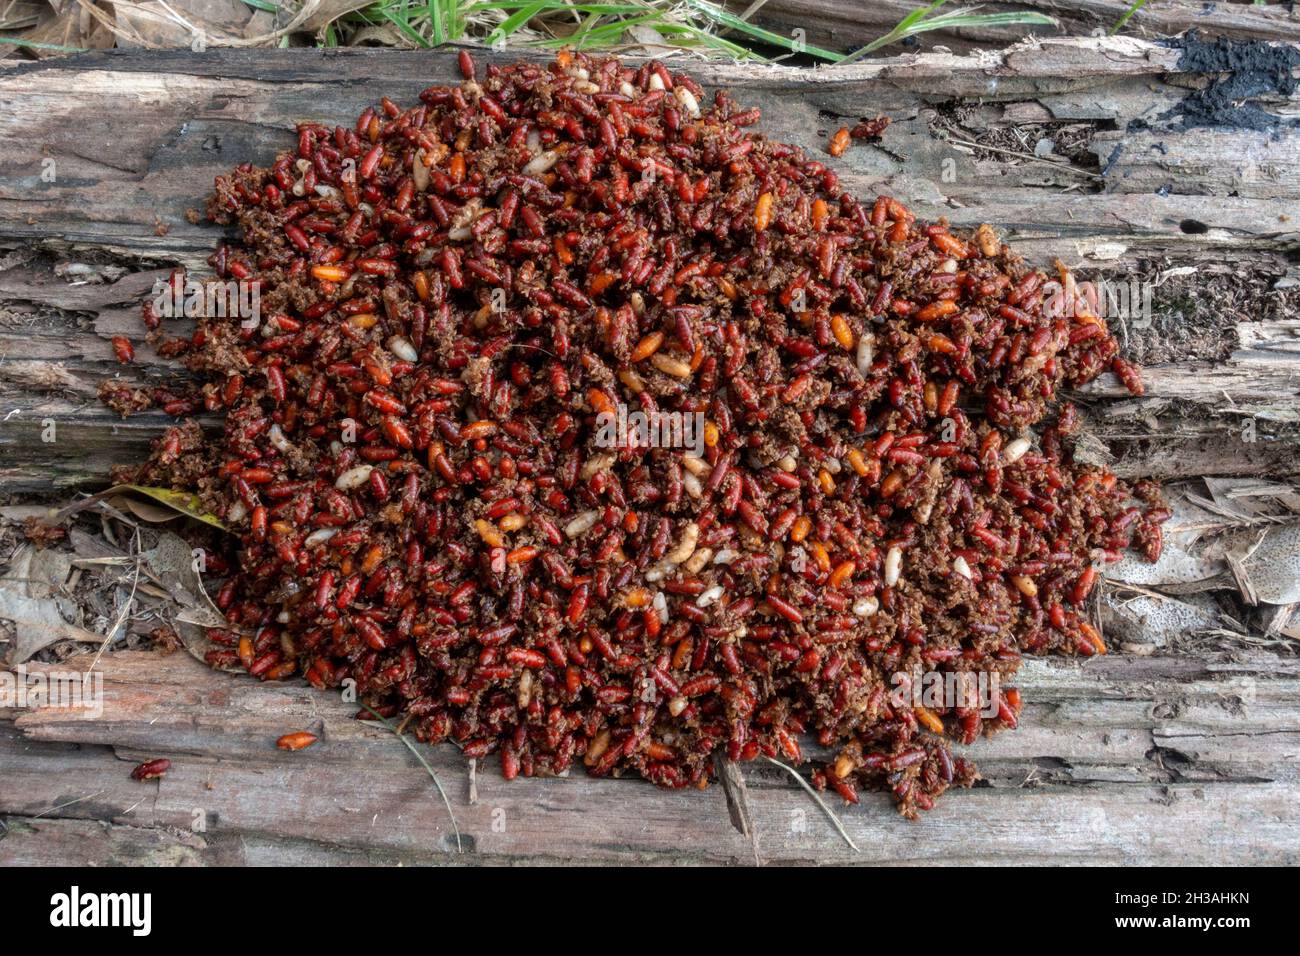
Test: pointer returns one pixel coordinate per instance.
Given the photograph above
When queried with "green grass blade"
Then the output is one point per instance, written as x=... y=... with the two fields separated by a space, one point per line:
x=518 y=19
x=732 y=22
x=453 y=18
x=605 y=34
x=18 y=41
x=601 y=8
x=436 y=24
x=1124 y=18
x=920 y=13
x=911 y=25
x=403 y=25
x=588 y=22
x=957 y=19
x=697 y=37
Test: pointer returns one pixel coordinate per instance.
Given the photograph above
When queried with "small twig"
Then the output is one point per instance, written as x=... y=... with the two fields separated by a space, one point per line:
x=830 y=814
x=126 y=608
x=424 y=763
x=69 y=803
x=1137 y=588
x=733 y=788
x=1064 y=167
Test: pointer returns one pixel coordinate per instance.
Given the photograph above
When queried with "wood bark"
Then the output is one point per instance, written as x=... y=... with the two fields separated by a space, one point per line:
x=131 y=141
x=845 y=25
x=1134 y=761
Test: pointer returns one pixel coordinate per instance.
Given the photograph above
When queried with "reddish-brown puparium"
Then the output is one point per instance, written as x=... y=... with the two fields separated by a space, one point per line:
x=453 y=291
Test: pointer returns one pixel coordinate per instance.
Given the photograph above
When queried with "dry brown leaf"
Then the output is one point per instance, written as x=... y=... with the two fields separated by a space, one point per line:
x=181 y=23
x=72 y=26
x=30 y=597
x=172 y=562
x=20 y=15
x=325 y=12
x=145 y=510
x=380 y=35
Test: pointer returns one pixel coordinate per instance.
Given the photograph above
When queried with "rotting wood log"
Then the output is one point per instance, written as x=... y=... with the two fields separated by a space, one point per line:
x=842 y=26
x=1185 y=756
x=102 y=155
x=1119 y=760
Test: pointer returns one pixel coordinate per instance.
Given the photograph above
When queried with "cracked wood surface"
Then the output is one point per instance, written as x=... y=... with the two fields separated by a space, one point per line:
x=843 y=26
x=1185 y=757
x=136 y=138
x=1127 y=761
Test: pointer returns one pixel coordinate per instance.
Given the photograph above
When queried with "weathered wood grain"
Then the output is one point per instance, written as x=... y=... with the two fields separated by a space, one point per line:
x=134 y=140
x=844 y=26
x=1118 y=760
